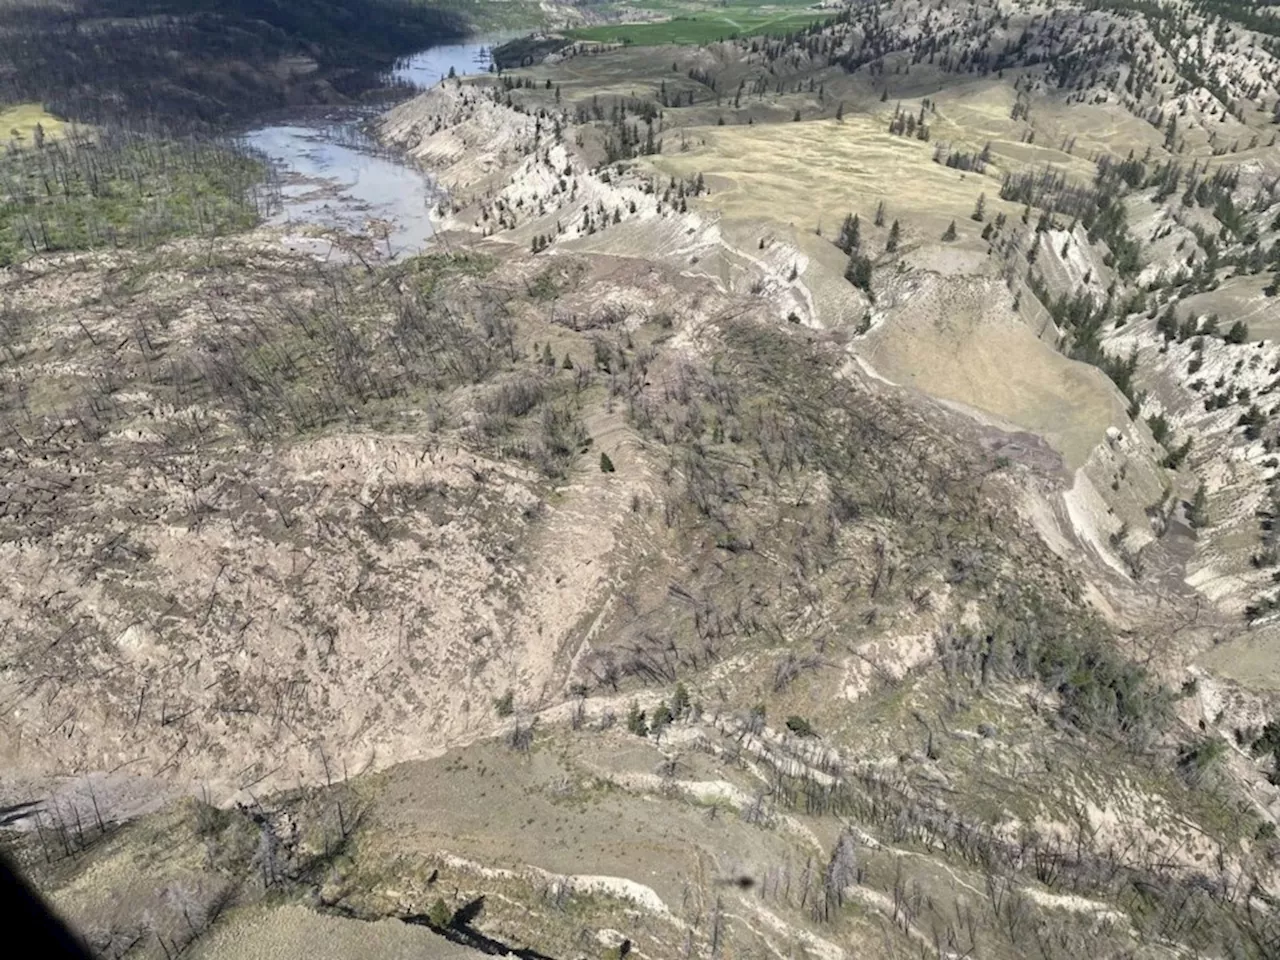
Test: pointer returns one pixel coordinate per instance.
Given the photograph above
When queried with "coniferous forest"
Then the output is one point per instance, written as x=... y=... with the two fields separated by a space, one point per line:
x=203 y=63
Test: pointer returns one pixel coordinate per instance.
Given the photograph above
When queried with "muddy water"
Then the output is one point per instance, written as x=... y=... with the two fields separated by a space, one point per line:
x=334 y=177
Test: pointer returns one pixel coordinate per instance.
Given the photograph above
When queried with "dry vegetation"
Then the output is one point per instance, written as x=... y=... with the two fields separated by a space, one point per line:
x=584 y=588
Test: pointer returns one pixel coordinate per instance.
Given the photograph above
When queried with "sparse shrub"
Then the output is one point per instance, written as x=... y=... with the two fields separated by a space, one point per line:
x=439 y=913
x=1198 y=760
x=800 y=726
x=544 y=287
x=1159 y=427
x=210 y=820
x=520 y=739
x=1173 y=460
x=505 y=705
x=1268 y=742
x=1253 y=420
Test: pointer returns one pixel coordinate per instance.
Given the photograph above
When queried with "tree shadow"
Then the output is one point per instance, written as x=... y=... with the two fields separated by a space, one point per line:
x=459 y=930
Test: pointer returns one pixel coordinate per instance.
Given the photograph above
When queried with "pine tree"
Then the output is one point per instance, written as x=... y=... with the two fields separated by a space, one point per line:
x=840 y=111
x=636 y=722
x=950 y=233
x=606 y=465
x=850 y=238
x=895 y=237
x=661 y=718
x=979 y=208
x=680 y=701
x=880 y=214
x=858 y=272
x=1238 y=333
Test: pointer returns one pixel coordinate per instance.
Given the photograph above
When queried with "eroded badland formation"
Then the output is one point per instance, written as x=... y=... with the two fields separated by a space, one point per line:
x=814 y=497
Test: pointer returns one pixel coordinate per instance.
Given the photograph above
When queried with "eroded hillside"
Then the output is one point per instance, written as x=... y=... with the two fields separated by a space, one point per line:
x=765 y=520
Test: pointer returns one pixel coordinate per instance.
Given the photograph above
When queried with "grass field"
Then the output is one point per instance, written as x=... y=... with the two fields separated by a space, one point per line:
x=962 y=343
x=491 y=15
x=17 y=123
x=692 y=26
x=815 y=172
x=954 y=341
x=1240 y=298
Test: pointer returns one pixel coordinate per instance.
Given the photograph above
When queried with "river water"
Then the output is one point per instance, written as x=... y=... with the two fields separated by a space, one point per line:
x=335 y=177
x=430 y=66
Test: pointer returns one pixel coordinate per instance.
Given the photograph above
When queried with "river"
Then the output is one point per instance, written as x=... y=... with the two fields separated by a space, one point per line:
x=430 y=66
x=335 y=177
